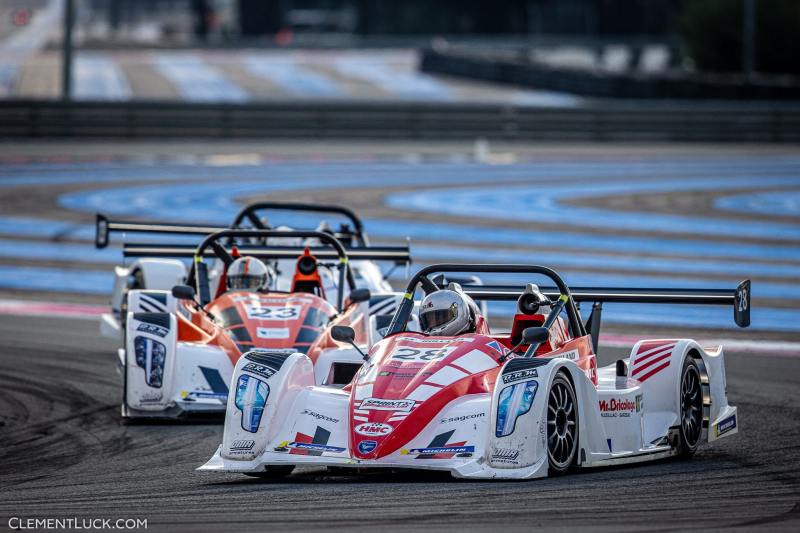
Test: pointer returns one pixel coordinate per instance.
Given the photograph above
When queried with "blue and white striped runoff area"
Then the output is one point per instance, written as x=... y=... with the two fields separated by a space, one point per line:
x=257 y=75
x=533 y=212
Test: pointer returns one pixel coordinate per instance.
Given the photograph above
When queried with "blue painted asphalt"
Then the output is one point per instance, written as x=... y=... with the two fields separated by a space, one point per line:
x=781 y=203
x=533 y=203
x=555 y=182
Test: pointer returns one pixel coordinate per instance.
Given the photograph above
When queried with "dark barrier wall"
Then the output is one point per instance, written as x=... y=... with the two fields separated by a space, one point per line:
x=603 y=122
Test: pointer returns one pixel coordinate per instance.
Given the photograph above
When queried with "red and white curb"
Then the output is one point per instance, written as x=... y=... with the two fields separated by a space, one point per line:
x=88 y=311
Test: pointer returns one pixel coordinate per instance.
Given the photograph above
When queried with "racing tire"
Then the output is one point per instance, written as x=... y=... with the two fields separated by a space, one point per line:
x=272 y=472
x=690 y=400
x=562 y=426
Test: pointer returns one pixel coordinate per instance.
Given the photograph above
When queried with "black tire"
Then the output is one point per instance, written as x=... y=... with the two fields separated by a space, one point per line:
x=690 y=402
x=562 y=426
x=272 y=472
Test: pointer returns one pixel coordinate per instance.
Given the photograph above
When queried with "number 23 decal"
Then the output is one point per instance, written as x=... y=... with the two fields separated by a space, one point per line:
x=274 y=312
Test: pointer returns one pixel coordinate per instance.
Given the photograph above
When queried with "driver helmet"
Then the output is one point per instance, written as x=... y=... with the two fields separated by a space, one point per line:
x=447 y=312
x=248 y=274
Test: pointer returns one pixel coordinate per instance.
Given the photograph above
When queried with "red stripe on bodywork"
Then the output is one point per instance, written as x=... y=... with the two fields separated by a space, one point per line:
x=654 y=371
x=646 y=346
x=651 y=362
x=657 y=353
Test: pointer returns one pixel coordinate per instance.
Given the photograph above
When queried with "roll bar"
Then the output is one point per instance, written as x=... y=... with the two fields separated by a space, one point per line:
x=249 y=212
x=405 y=308
x=198 y=275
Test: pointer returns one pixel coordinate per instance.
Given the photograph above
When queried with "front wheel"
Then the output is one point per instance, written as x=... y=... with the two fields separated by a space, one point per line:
x=562 y=426
x=690 y=401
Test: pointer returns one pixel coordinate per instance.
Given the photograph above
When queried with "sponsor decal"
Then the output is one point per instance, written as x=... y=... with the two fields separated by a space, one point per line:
x=497 y=347
x=375 y=429
x=251 y=397
x=620 y=407
x=152 y=329
x=461 y=418
x=403 y=375
x=261 y=370
x=272 y=333
x=151 y=396
x=243 y=445
x=724 y=426
x=319 y=416
x=513 y=402
x=518 y=375
x=380 y=404
x=430 y=341
x=505 y=455
x=151 y=356
x=441 y=449
x=313 y=447
x=272 y=312
x=572 y=355
x=408 y=354
x=366 y=446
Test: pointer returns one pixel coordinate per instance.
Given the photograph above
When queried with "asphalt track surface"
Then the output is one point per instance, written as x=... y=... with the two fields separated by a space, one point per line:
x=64 y=452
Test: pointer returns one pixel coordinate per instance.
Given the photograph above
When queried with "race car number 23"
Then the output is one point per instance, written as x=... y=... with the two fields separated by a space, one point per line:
x=405 y=353
x=273 y=312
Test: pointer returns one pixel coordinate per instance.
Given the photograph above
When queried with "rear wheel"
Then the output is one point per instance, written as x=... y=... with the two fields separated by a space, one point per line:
x=272 y=472
x=562 y=426
x=690 y=400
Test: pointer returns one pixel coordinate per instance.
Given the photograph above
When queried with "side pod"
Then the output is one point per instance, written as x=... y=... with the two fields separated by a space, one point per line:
x=264 y=386
x=149 y=360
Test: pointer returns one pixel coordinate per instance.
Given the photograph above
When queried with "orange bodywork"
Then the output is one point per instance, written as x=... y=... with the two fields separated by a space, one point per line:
x=247 y=320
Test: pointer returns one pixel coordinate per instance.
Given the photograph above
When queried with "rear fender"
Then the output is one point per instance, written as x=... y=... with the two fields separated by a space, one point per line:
x=263 y=389
x=151 y=340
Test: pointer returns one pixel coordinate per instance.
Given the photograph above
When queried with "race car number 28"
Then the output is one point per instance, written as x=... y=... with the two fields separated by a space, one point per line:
x=405 y=353
x=273 y=312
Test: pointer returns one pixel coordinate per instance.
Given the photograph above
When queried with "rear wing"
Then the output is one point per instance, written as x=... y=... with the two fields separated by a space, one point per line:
x=104 y=226
x=396 y=254
x=738 y=298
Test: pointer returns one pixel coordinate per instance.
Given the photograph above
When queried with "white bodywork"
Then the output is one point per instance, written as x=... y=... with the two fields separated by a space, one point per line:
x=621 y=420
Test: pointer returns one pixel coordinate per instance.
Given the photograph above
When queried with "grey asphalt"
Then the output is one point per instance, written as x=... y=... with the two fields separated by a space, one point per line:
x=64 y=452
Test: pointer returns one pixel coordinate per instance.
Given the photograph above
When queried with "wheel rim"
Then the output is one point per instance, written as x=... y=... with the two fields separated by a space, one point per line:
x=691 y=406
x=561 y=426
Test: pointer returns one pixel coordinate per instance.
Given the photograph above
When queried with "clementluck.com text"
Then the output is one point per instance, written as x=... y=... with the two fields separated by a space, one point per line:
x=18 y=523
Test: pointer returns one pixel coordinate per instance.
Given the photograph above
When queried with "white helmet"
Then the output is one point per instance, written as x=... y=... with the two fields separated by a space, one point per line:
x=248 y=274
x=447 y=312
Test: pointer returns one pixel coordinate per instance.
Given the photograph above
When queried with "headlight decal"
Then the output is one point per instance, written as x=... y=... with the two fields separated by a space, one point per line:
x=251 y=397
x=151 y=356
x=514 y=401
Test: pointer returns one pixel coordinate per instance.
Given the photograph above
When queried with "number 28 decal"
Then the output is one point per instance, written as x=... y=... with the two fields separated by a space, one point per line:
x=742 y=297
x=405 y=353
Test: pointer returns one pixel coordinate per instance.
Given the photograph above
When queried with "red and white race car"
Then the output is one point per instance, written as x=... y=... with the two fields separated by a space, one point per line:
x=516 y=405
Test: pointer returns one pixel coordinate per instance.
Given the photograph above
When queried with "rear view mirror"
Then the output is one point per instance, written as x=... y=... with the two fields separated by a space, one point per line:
x=183 y=292
x=535 y=335
x=359 y=295
x=343 y=334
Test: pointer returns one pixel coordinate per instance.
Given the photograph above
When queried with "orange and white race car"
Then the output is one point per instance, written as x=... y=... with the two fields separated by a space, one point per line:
x=181 y=346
